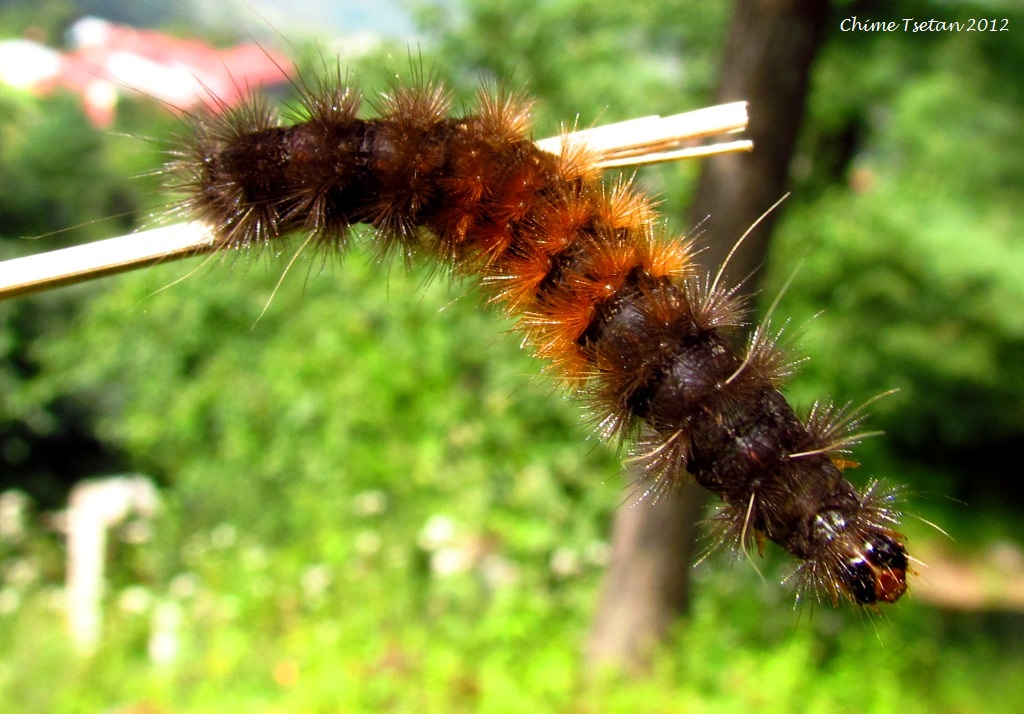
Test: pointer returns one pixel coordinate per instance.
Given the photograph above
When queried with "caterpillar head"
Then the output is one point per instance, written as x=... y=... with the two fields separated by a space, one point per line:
x=876 y=571
x=861 y=559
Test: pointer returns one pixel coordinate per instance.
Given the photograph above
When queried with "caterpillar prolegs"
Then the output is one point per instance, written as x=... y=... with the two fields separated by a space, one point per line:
x=619 y=309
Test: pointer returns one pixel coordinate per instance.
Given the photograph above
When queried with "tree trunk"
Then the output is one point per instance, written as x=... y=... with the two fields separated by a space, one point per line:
x=768 y=56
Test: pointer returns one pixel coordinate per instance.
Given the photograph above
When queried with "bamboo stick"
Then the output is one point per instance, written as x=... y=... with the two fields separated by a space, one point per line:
x=645 y=140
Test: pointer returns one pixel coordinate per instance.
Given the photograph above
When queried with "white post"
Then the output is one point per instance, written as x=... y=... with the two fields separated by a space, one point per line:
x=93 y=507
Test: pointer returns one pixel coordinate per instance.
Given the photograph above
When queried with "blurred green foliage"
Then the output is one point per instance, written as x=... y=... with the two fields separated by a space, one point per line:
x=374 y=501
x=284 y=416
x=57 y=177
x=63 y=183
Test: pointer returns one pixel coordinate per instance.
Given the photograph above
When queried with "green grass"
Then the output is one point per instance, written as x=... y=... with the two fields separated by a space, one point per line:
x=380 y=641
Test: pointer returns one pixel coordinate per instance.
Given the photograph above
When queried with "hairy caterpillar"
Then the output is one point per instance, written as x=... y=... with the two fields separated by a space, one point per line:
x=618 y=309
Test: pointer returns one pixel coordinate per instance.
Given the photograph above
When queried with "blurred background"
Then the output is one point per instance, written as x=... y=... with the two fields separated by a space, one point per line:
x=371 y=499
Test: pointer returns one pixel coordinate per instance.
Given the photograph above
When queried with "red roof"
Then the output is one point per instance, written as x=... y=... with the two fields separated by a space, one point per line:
x=107 y=60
